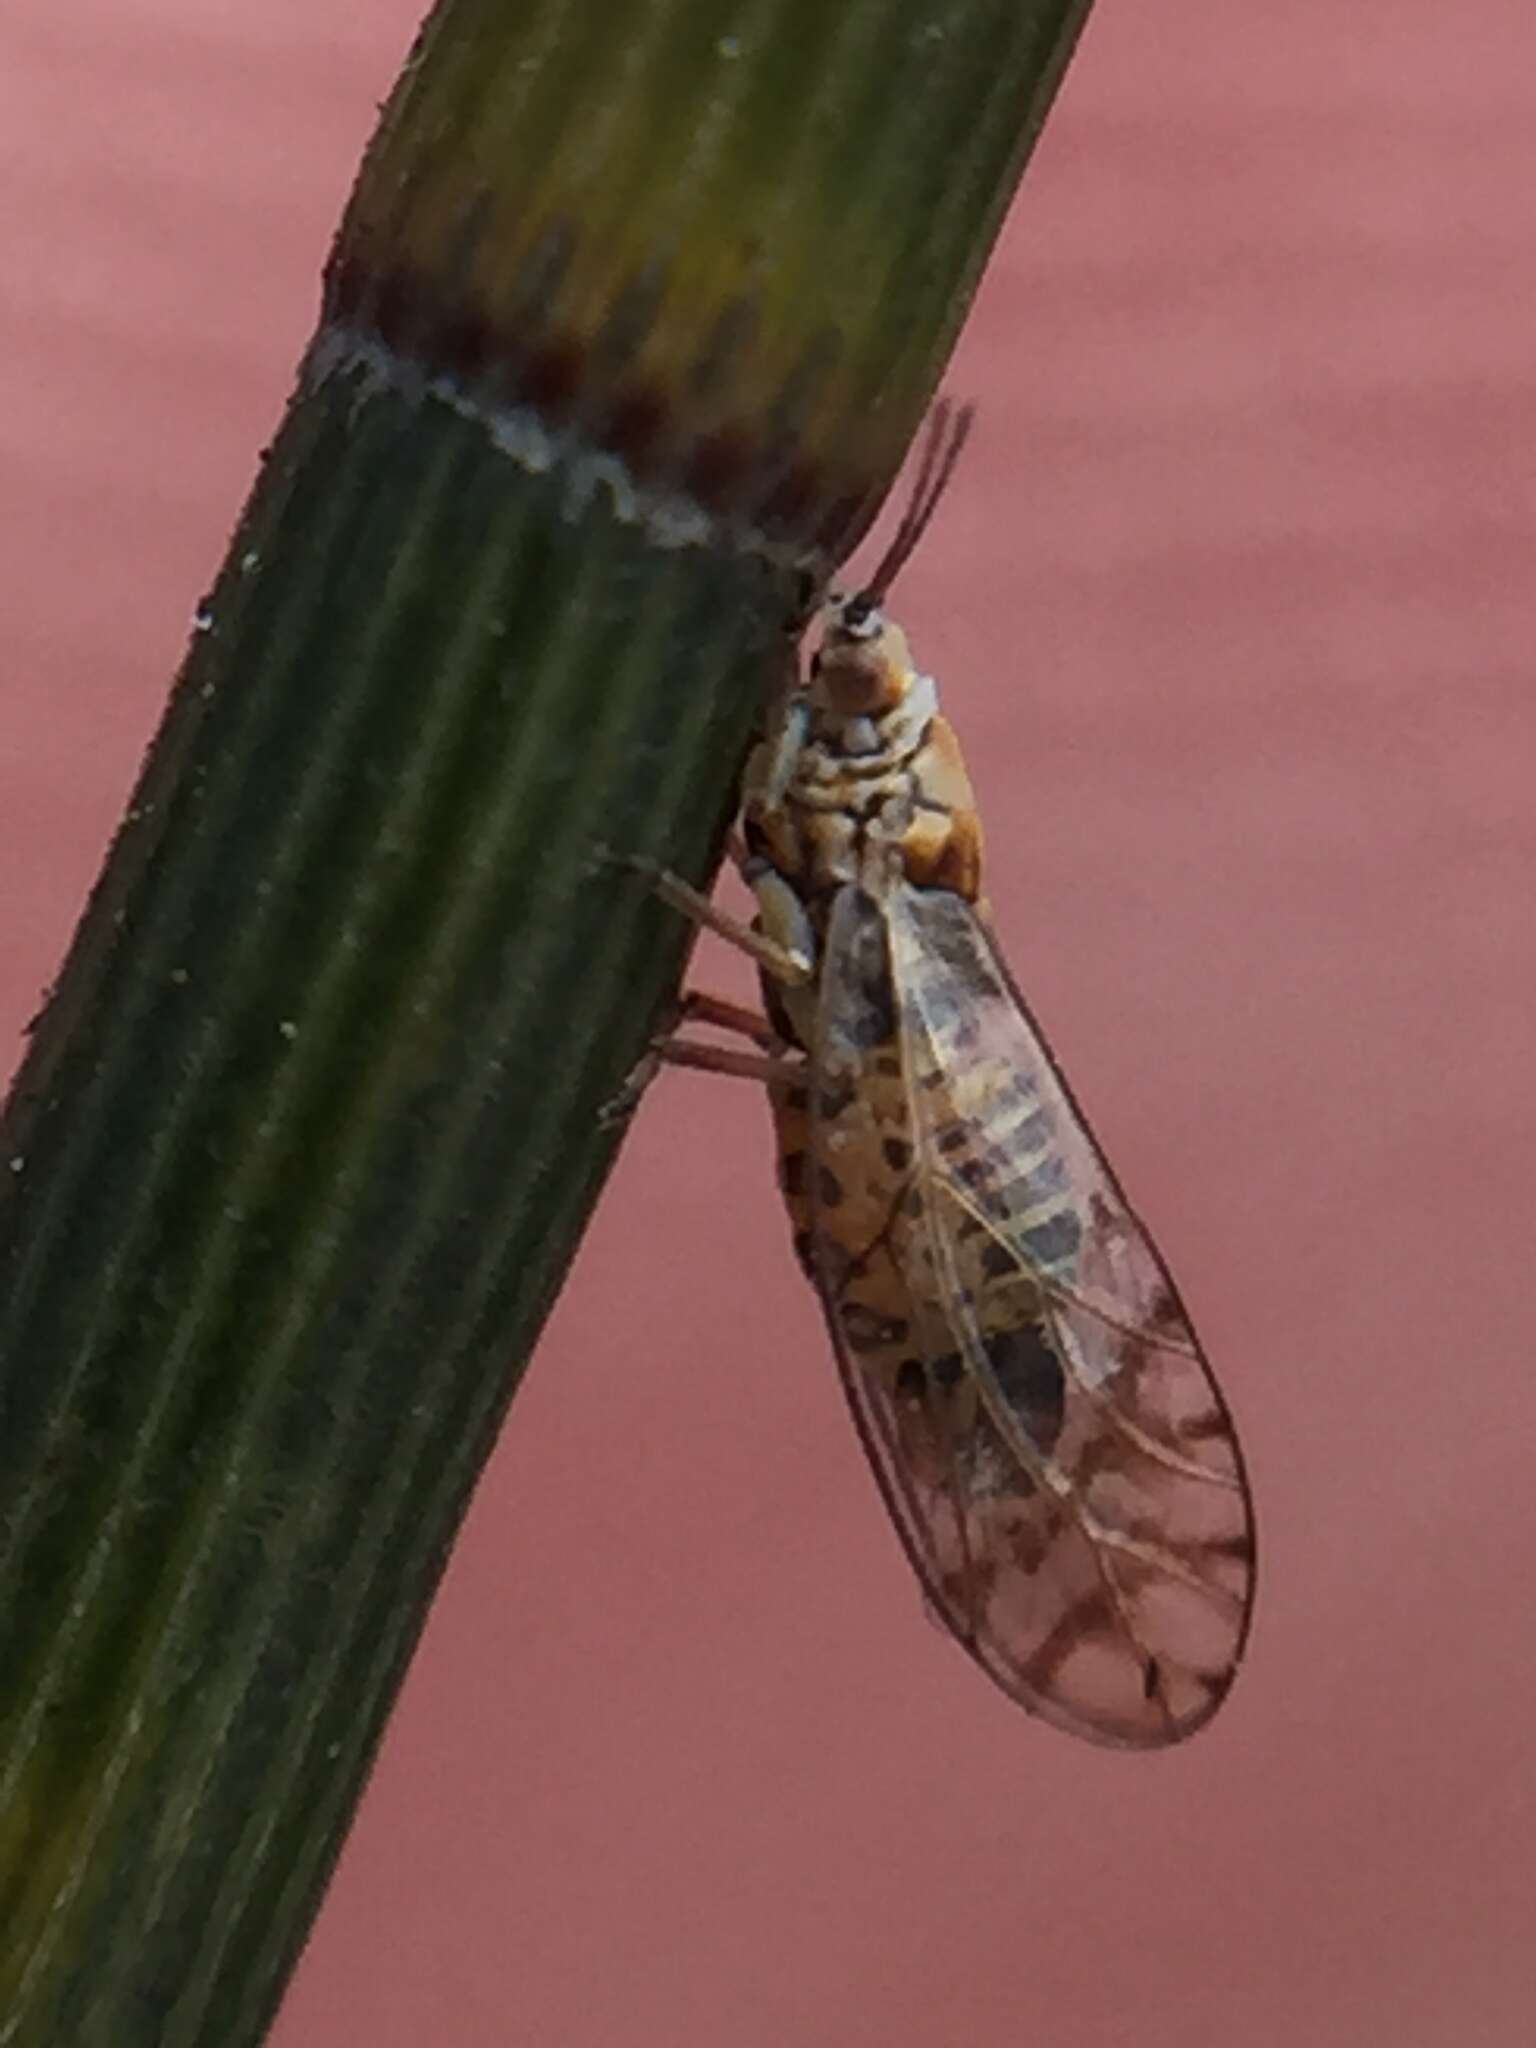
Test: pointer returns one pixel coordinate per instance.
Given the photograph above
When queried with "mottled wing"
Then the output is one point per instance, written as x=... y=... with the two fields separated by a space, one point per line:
x=1047 y=1434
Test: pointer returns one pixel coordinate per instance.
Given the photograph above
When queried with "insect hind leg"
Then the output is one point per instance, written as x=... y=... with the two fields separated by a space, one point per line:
x=770 y=1061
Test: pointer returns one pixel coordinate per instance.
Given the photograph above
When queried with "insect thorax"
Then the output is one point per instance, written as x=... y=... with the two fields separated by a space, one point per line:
x=866 y=800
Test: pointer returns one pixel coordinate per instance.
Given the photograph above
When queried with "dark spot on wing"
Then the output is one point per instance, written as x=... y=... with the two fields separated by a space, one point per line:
x=1164 y=1308
x=829 y=1189
x=865 y=973
x=833 y=1098
x=1014 y=1098
x=897 y=1153
x=911 y=1380
x=1055 y=1241
x=792 y=1173
x=1028 y=1545
x=872 y=1023
x=997 y=1261
x=1031 y=1379
x=1205 y=1428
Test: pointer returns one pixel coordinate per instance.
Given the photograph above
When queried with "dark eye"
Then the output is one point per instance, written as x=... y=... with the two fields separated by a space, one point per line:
x=861 y=617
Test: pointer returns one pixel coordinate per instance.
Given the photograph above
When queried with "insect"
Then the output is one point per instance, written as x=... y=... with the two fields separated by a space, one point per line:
x=1042 y=1422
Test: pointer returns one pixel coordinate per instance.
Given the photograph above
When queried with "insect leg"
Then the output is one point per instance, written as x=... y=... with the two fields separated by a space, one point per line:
x=785 y=963
x=766 y=1066
x=724 y=1059
x=783 y=953
x=699 y=1007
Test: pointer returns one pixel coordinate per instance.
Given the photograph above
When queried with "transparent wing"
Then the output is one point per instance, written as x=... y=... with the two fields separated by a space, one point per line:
x=1045 y=1429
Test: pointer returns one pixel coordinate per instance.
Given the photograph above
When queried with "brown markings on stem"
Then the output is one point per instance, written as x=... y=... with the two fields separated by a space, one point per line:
x=670 y=433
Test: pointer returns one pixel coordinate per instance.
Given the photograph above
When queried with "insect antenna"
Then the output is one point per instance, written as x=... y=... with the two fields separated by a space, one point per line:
x=949 y=425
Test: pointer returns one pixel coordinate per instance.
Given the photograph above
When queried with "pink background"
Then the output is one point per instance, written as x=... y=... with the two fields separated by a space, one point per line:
x=1234 y=604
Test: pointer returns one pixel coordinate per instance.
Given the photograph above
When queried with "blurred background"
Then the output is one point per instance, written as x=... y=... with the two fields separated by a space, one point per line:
x=1232 y=601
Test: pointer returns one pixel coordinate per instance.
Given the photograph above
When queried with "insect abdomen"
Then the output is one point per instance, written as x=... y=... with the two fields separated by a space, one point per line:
x=1006 y=1156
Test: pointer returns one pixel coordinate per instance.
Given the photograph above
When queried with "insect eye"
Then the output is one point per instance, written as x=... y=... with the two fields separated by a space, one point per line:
x=861 y=618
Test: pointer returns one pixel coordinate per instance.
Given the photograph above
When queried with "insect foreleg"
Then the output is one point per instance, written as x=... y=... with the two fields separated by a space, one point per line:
x=786 y=961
